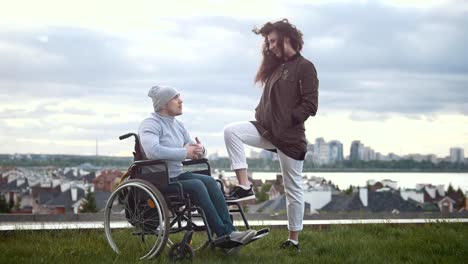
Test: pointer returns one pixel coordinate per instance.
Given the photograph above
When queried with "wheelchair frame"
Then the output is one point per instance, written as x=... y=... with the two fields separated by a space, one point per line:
x=168 y=201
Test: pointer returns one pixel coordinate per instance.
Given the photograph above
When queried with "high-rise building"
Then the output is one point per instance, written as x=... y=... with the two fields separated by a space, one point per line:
x=457 y=155
x=360 y=152
x=368 y=154
x=254 y=154
x=393 y=156
x=322 y=152
x=310 y=152
x=336 y=151
x=420 y=157
x=357 y=151
x=379 y=156
x=325 y=153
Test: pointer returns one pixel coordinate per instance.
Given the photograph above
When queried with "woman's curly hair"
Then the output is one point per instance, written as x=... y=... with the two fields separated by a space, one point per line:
x=270 y=61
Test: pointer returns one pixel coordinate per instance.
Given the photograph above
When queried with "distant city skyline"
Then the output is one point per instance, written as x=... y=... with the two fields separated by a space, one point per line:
x=393 y=74
x=347 y=152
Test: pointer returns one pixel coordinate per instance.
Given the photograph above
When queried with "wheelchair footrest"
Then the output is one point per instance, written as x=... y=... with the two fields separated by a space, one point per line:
x=226 y=242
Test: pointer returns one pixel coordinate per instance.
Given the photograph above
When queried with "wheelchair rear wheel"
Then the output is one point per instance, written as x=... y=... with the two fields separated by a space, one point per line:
x=136 y=219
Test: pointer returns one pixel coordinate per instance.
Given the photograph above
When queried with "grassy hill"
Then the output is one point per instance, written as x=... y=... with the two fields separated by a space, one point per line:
x=384 y=243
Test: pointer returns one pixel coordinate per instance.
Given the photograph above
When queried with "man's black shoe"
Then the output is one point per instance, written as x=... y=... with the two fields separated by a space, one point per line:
x=238 y=194
x=290 y=246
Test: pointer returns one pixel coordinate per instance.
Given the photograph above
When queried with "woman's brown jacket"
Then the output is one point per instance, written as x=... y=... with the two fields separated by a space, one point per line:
x=289 y=97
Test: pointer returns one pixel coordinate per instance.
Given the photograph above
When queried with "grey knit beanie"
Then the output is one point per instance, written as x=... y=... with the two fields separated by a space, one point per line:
x=161 y=95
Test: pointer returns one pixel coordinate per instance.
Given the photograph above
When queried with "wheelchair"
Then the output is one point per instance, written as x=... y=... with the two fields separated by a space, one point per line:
x=145 y=208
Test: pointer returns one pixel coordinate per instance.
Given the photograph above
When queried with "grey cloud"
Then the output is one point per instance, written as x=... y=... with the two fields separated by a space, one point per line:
x=47 y=131
x=97 y=64
x=397 y=93
x=418 y=55
x=78 y=111
x=43 y=111
x=366 y=116
x=372 y=59
x=430 y=118
x=13 y=113
x=375 y=39
x=91 y=61
x=375 y=36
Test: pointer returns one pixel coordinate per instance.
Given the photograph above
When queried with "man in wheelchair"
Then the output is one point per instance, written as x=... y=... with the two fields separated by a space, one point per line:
x=163 y=137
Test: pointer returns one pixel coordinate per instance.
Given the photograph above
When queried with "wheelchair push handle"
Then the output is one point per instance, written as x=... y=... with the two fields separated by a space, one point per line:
x=127 y=136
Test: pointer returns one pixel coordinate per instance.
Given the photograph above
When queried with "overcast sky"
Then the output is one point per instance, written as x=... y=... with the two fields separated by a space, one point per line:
x=393 y=74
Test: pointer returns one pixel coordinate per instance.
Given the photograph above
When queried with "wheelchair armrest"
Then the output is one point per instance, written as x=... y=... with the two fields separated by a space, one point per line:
x=138 y=166
x=198 y=163
x=162 y=162
x=143 y=163
x=194 y=162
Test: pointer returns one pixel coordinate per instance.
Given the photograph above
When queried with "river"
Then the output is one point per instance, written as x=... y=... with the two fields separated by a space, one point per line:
x=403 y=179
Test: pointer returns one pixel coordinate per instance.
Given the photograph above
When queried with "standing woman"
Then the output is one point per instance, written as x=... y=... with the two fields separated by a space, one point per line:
x=290 y=96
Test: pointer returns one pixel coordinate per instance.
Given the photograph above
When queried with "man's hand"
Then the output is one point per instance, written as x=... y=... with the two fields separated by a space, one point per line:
x=200 y=145
x=194 y=151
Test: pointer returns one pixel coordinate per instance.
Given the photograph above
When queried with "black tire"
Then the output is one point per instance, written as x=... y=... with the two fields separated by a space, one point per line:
x=136 y=219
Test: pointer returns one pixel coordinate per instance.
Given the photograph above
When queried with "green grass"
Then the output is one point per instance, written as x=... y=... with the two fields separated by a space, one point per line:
x=383 y=243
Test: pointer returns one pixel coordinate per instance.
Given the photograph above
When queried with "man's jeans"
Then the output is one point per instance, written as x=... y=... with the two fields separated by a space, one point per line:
x=204 y=191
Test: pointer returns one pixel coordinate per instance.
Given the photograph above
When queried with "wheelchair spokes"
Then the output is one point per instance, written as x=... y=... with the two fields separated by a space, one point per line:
x=136 y=220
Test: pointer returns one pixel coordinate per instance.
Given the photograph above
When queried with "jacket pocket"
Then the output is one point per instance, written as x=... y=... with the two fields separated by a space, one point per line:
x=292 y=134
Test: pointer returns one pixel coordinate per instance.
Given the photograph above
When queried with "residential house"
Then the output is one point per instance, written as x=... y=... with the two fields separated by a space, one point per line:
x=317 y=192
x=466 y=201
x=277 y=187
x=431 y=193
x=384 y=185
x=391 y=202
x=256 y=184
x=456 y=196
x=101 y=199
x=60 y=202
x=107 y=180
x=415 y=195
x=275 y=206
x=374 y=201
x=342 y=202
x=13 y=191
x=446 y=205
x=375 y=186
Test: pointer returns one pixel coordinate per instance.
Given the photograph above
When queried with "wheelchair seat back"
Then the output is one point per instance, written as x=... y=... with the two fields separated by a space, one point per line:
x=141 y=210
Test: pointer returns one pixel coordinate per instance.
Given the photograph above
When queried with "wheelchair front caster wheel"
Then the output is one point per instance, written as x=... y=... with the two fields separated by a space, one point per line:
x=180 y=251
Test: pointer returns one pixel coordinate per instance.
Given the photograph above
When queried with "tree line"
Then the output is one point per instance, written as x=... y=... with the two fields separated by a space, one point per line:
x=254 y=164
